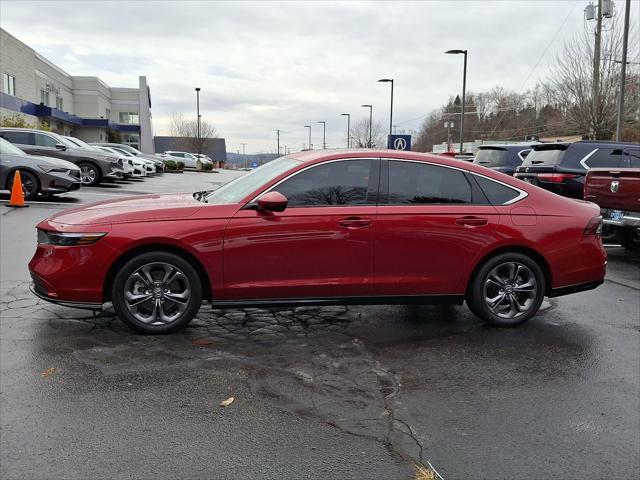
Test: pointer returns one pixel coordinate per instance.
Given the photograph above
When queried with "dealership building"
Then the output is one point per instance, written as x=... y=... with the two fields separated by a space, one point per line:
x=82 y=106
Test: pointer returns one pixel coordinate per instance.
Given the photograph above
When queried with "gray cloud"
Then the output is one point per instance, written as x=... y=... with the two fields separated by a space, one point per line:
x=268 y=65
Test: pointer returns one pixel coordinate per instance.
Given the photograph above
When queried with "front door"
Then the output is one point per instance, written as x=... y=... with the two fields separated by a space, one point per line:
x=429 y=229
x=320 y=246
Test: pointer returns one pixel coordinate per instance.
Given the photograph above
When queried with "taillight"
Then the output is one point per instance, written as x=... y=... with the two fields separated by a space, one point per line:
x=594 y=227
x=556 y=177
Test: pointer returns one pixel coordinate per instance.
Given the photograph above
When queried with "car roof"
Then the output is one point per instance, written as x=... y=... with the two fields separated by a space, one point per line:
x=509 y=145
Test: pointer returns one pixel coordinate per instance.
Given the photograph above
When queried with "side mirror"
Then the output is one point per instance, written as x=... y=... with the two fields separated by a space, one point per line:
x=60 y=146
x=273 y=202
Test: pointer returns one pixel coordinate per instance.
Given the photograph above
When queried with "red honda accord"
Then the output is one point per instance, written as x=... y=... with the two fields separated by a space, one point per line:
x=325 y=227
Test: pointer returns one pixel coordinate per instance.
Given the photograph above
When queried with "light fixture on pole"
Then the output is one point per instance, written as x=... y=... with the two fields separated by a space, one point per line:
x=278 y=133
x=324 y=134
x=464 y=88
x=309 y=127
x=370 y=107
x=348 y=115
x=389 y=80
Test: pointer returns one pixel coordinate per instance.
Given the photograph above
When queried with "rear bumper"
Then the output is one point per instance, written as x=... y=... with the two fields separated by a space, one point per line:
x=580 y=287
x=628 y=219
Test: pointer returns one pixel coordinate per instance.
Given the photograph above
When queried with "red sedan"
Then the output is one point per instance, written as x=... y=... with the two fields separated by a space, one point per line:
x=325 y=227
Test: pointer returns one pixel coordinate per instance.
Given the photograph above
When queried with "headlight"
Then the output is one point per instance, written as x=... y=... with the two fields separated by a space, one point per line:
x=49 y=169
x=68 y=239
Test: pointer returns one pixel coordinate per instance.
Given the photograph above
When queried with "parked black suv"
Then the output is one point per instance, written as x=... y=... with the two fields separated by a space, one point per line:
x=562 y=167
x=503 y=158
x=94 y=166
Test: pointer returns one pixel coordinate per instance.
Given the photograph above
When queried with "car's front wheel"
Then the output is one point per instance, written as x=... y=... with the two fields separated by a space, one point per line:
x=507 y=290
x=89 y=174
x=157 y=292
x=30 y=184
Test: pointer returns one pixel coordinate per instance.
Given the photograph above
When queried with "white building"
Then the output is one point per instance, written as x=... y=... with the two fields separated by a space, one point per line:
x=84 y=107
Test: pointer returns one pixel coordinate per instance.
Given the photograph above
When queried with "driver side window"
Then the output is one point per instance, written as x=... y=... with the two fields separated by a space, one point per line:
x=338 y=183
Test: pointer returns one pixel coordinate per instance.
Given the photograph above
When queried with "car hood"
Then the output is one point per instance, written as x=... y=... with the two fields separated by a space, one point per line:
x=143 y=208
x=33 y=160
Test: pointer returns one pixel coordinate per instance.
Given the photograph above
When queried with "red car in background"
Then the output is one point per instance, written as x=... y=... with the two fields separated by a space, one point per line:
x=325 y=227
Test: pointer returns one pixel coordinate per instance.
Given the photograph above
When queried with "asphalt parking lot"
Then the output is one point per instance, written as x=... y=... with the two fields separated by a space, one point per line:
x=320 y=392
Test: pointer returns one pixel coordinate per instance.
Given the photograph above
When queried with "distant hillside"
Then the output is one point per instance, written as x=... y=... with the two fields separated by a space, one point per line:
x=247 y=160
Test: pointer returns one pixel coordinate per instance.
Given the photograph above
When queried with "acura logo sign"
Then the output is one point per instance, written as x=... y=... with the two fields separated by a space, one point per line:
x=400 y=144
x=615 y=185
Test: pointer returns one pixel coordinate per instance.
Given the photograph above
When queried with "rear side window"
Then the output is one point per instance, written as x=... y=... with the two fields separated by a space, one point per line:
x=546 y=155
x=420 y=183
x=497 y=193
x=492 y=157
x=633 y=156
x=335 y=183
x=21 y=138
x=606 y=158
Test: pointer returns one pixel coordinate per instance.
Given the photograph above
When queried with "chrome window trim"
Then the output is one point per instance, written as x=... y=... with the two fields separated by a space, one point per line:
x=583 y=162
x=521 y=193
x=304 y=170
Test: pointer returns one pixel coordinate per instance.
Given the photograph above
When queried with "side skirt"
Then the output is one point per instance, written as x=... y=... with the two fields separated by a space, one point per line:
x=300 y=302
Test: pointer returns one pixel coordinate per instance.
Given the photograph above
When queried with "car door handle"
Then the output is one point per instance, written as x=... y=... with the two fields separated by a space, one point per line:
x=354 y=222
x=472 y=221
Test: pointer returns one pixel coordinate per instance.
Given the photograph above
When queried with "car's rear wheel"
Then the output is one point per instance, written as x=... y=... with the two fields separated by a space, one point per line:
x=89 y=174
x=507 y=290
x=629 y=238
x=30 y=184
x=157 y=292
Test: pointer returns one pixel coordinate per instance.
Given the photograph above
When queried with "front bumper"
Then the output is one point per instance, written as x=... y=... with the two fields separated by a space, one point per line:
x=115 y=173
x=36 y=289
x=55 y=182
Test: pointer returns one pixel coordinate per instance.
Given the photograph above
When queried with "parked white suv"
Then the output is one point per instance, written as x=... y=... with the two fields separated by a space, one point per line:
x=189 y=159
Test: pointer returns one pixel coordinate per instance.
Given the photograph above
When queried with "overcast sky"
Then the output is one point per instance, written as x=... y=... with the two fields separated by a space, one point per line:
x=282 y=65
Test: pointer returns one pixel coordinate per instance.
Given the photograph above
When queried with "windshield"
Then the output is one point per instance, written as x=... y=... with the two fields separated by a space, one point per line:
x=9 y=148
x=546 y=155
x=81 y=144
x=121 y=151
x=492 y=157
x=236 y=190
x=129 y=149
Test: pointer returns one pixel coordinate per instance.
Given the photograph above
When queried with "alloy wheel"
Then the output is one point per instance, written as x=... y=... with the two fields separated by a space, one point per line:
x=88 y=174
x=157 y=293
x=28 y=185
x=510 y=290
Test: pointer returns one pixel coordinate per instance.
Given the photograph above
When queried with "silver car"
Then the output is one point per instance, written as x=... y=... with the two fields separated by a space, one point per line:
x=39 y=174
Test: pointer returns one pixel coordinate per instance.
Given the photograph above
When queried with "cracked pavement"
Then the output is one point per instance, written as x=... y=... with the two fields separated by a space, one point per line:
x=320 y=392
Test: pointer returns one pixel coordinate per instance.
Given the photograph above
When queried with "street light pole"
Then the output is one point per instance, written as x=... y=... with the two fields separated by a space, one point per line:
x=198 y=118
x=464 y=89
x=370 y=107
x=348 y=115
x=389 y=80
x=278 y=133
x=623 y=71
x=324 y=134
x=309 y=127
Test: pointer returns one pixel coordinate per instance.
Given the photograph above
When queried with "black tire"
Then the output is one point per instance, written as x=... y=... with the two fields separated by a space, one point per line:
x=521 y=288
x=629 y=239
x=148 y=316
x=30 y=184
x=90 y=174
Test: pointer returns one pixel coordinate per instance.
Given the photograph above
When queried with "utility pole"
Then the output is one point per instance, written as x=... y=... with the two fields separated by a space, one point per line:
x=596 y=71
x=278 y=133
x=623 y=70
x=370 y=107
x=324 y=134
x=198 y=119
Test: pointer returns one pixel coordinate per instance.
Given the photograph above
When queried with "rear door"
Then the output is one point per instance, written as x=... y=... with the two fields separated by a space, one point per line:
x=432 y=222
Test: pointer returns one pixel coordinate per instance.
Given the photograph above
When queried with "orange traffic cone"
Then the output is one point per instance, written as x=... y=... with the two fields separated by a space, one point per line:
x=17 y=195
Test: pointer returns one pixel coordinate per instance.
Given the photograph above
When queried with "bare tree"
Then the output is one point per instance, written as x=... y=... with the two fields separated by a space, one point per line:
x=187 y=132
x=360 y=134
x=571 y=84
